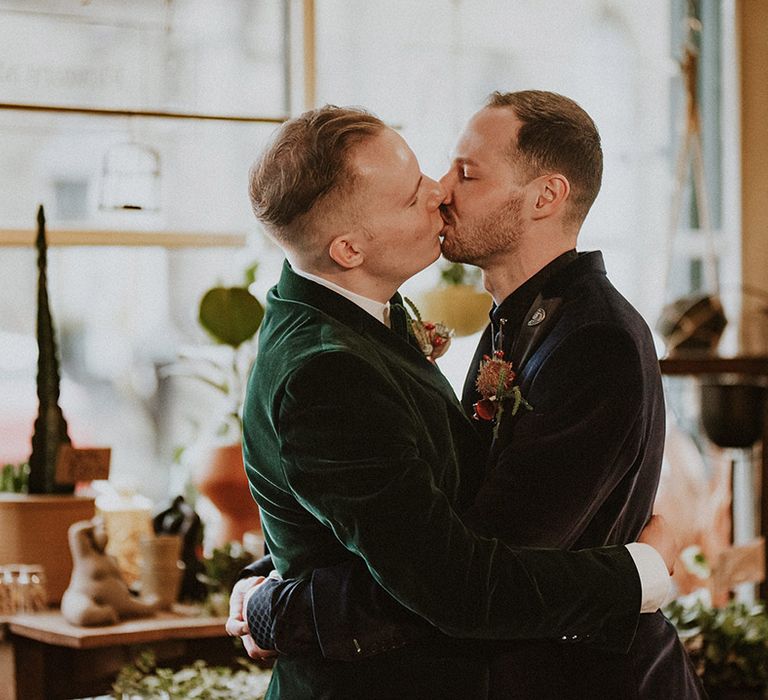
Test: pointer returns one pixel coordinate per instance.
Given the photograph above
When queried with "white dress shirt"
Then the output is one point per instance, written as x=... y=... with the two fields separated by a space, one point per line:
x=377 y=309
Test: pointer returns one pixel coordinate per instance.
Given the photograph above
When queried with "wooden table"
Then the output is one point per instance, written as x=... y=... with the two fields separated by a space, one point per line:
x=44 y=657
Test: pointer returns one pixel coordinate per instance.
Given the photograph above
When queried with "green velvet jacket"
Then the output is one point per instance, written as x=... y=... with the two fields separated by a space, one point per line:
x=356 y=446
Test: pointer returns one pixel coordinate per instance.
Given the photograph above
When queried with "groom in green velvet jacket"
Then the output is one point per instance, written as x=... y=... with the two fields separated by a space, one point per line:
x=356 y=446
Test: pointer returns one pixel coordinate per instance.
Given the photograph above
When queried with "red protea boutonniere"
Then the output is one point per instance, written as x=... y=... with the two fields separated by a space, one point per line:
x=433 y=338
x=495 y=383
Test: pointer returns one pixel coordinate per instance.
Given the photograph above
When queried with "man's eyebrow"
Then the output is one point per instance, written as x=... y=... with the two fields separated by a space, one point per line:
x=464 y=161
x=418 y=184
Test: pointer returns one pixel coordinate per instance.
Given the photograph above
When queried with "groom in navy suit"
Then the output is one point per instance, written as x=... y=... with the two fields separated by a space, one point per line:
x=581 y=468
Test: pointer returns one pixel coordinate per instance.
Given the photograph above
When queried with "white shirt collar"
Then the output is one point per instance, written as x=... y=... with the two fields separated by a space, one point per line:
x=377 y=309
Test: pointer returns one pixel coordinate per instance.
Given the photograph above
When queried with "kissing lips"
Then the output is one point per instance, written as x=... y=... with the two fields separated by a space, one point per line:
x=447 y=220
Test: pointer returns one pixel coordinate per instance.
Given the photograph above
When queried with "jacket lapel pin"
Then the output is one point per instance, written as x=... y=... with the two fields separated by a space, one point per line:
x=538 y=316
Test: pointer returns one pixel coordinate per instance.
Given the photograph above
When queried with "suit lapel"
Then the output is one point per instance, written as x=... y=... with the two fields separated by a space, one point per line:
x=529 y=346
x=526 y=352
x=536 y=324
x=530 y=350
x=296 y=289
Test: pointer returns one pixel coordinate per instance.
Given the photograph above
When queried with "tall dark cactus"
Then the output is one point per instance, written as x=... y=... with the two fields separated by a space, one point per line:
x=50 y=426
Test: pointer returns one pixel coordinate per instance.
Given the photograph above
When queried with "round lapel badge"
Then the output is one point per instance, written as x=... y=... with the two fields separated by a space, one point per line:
x=538 y=316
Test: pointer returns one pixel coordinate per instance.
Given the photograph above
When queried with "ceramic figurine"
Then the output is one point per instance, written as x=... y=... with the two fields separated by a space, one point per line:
x=97 y=593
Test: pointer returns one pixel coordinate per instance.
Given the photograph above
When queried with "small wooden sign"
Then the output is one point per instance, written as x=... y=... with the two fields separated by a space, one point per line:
x=75 y=464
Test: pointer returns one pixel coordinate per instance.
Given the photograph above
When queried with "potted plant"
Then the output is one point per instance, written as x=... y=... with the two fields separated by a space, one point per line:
x=728 y=647
x=456 y=301
x=36 y=509
x=231 y=316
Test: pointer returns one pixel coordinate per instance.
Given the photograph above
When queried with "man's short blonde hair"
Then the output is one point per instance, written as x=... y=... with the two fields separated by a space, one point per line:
x=305 y=167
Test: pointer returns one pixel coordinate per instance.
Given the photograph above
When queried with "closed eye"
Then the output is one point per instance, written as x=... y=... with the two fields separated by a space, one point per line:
x=463 y=175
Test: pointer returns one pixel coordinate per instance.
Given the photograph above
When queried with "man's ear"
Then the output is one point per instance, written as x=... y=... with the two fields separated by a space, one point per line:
x=551 y=193
x=345 y=251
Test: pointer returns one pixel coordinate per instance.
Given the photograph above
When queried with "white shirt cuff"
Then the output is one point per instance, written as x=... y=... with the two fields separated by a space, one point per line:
x=655 y=582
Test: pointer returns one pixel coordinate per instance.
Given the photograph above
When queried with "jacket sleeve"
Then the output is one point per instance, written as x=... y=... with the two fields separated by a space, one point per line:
x=260 y=567
x=350 y=454
x=558 y=464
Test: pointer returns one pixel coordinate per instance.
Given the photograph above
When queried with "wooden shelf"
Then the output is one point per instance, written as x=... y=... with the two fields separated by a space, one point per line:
x=752 y=365
x=51 y=628
x=25 y=238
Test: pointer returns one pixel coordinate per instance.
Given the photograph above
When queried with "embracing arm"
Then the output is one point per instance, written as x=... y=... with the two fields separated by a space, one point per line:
x=344 y=614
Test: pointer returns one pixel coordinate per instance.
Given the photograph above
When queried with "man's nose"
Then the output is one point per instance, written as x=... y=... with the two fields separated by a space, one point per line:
x=436 y=193
x=447 y=182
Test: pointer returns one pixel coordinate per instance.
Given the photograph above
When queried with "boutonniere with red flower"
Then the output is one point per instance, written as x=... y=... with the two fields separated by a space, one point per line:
x=495 y=383
x=432 y=338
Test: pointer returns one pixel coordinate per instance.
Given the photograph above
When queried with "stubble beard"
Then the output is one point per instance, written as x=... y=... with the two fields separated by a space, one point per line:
x=478 y=242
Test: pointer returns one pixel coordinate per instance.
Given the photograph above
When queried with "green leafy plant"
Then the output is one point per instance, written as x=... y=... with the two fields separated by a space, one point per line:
x=728 y=646
x=231 y=316
x=143 y=679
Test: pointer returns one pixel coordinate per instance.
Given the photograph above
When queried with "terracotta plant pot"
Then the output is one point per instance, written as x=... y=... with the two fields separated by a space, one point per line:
x=222 y=480
x=459 y=306
x=34 y=531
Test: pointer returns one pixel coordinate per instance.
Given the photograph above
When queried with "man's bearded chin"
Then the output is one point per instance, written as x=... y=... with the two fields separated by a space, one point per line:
x=497 y=233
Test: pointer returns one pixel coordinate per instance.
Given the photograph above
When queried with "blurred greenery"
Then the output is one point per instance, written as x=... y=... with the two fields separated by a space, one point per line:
x=728 y=646
x=457 y=273
x=14 y=478
x=143 y=679
x=220 y=573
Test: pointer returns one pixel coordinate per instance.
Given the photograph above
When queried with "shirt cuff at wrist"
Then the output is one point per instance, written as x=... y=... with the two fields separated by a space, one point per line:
x=655 y=582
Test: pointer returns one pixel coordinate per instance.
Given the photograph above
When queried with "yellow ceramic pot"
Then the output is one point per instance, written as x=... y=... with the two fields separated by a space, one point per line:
x=458 y=306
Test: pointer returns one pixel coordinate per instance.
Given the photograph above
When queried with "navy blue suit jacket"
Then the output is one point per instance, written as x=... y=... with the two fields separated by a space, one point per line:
x=579 y=470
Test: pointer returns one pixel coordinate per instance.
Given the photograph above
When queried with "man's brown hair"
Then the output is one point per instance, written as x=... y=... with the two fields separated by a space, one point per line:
x=556 y=136
x=307 y=162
